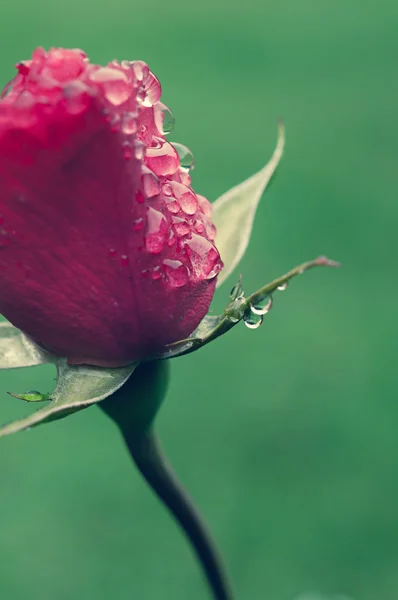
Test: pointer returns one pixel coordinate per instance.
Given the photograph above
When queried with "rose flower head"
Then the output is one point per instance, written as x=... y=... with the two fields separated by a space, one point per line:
x=108 y=258
x=107 y=255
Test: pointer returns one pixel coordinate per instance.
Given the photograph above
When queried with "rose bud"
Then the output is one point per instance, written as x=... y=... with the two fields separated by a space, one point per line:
x=106 y=253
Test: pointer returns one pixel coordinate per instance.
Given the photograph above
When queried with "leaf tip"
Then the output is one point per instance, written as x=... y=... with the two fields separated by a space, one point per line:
x=324 y=261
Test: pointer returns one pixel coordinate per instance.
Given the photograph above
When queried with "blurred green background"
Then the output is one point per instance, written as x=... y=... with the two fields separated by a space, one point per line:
x=286 y=436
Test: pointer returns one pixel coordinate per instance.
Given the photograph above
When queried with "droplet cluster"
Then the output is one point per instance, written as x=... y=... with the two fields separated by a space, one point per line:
x=174 y=223
x=170 y=226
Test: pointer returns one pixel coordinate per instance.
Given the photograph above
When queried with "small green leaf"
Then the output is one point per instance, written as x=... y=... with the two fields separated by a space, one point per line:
x=77 y=387
x=32 y=396
x=234 y=211
x=16 y=350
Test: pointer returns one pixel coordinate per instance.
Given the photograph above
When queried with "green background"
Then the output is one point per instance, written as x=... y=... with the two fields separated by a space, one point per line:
x=286 y=436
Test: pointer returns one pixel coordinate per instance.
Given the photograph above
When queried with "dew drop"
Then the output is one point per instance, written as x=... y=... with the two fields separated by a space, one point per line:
x=172 y=238
x=185 y=177
x=129 y=124
x=157 y=231
x=181 y=226
x=162 y=158
x=187 y=160
x=176 y=272
x=114 y=84
x=185 y=197
x=282 y=287
x=124 y=260
x=167 y=189
x=253 y=321
x=150 y=182
x=263 y=307
x=151 y=88
x=139 y=150
x=112 y=252
x=140 y=69
x=204 y=257
x=156 y=273
x=127 y=149
x=172 y=205
x=138 y=224
x=199 y=227
x=164 y=119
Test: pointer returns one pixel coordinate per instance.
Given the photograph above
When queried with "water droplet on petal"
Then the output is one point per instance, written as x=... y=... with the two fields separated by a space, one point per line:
x=181 y=226
x=162 y=158
x=138 y=224
x=139 y=150
x=185 y=177
x=187 y=160
x=177 y=273
x=140 y=69
x=263 y=307
x=124 y=260
x=150 y=182
x=172 y=238
x=253 y=321
x=199 y=227
x=114 y=84
x=282 y=287
x=164 y=118
x=172 y=205
x=112 y=252
x=129 y=125
x=185 y=197
x=156 y=273
x=204 y=257
x=157 y=231
x=127 y=149
x=167 y=189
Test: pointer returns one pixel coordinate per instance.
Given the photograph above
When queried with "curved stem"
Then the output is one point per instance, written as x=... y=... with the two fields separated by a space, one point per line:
x=152 y=464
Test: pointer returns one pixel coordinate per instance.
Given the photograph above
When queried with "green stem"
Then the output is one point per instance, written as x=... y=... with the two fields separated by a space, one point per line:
x=151 y=462
x=133 y=408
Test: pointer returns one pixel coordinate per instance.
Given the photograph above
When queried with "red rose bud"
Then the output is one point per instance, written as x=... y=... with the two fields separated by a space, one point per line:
x=106 y=252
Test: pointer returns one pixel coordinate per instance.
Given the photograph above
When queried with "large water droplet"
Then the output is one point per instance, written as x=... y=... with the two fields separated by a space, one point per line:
x=187 y=160
x=282 y=287
x=162 y=158
x=177 y=274
x=164 y=119
x=204 y=257
x=263 y=307
x=150 y=182
x=157 y=231
x=252 y=321
x=151 y=88
x=185 y=197
x=114 y=84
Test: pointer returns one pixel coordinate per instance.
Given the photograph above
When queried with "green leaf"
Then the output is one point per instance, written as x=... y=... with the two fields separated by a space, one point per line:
x=240 y=308
x=77 y=388
x=233 y=213
x=16 y=350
